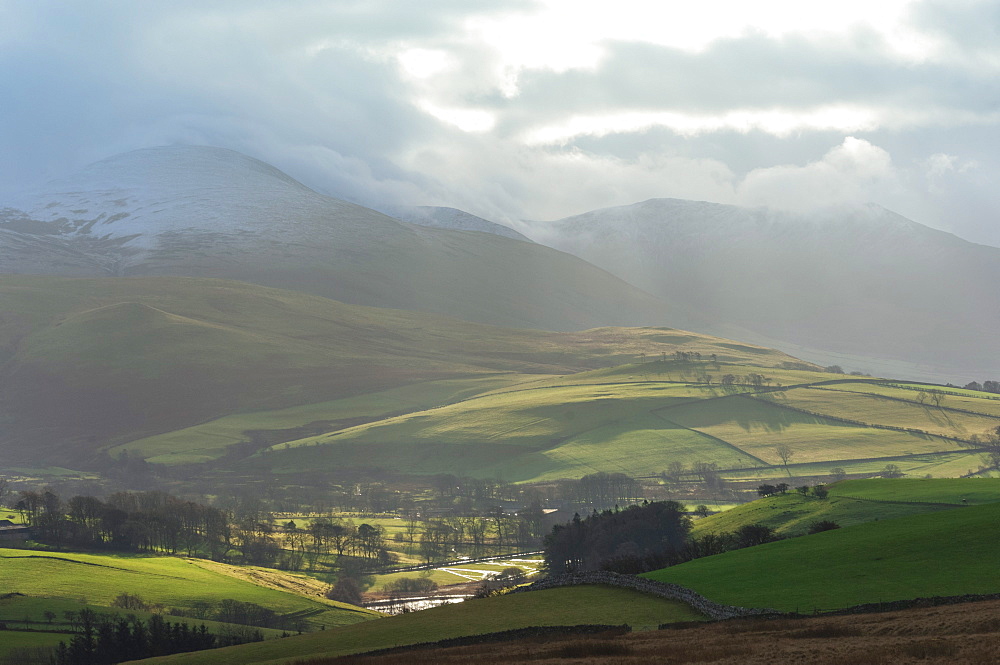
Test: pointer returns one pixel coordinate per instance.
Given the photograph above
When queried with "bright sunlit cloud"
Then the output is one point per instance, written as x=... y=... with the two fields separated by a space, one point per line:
x=565 y=34
x=423 y=63
x=776 y=122
x=467 y=120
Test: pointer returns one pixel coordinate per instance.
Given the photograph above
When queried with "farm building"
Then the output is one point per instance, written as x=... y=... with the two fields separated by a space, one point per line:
x=13 y=532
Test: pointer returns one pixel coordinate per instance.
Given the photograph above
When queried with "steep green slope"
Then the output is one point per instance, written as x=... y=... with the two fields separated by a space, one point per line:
x=946 y=553
x=564 y=606
x=94 y=363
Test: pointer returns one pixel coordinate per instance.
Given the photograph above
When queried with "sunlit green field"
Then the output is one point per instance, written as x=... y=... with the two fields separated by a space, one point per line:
x=628 y=420
x=942 y=553
x=952 y=464
x=171 y=581
x=953 y=398
x=564 y=606
x=758 y=426
x=871 y=409
x=854 y=502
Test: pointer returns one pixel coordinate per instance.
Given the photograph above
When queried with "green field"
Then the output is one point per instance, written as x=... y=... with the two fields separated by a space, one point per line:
x=950 y=552
x=954 y=398
x=209 y=441
x=171 y=581
x=553 y=607
x=874 y=409
x=854 y=502
x=758 y=426
x=15 y=609
x=626 y=419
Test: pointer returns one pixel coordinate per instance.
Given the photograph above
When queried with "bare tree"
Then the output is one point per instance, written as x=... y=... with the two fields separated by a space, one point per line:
x=785 y=454
x=990 y=443
x=937 y=396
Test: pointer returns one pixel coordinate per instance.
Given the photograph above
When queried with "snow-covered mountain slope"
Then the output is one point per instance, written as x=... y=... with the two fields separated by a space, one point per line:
x=859 y=283
x=209 y=212
x=451 y=218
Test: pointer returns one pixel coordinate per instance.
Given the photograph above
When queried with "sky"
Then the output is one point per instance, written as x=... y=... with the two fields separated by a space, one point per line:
x=517 y=109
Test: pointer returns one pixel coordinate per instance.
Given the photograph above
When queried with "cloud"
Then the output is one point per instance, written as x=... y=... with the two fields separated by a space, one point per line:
x=852 y=173
x=463 y=103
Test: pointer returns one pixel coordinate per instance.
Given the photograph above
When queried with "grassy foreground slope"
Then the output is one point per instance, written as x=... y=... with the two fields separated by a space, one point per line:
x=564 y=606
x=40 y=631
x=854 y=502
x=92 y=363
x=171 y=581
x=944 y=553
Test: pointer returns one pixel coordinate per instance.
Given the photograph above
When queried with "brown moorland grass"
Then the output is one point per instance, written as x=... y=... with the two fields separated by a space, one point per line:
x=964 y=634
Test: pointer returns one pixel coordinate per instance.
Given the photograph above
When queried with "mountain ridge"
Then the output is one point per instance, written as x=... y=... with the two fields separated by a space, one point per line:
x=862 y=282
x=209 y=212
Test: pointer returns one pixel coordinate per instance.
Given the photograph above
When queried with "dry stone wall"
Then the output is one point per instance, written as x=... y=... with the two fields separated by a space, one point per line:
x=707 y=607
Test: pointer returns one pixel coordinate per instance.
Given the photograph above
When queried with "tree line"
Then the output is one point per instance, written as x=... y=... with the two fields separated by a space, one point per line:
x=102 y=639
x=647 y=537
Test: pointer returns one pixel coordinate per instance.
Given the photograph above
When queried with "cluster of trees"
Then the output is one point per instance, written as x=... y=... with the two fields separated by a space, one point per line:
x=985 y=386
x=104 y=640
x=752 y=379
x=691 y=356
x=602 y=490
x=747 y=535
x=819 y=491
x=934 y=395
x=131 y=521
x=159 y=522
x=474 y=534
x=617 y=539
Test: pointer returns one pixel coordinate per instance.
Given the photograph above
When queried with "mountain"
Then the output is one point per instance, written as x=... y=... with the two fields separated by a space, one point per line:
x=87 y=364
x=861 y=286
x=451 y=218
x=208 y=212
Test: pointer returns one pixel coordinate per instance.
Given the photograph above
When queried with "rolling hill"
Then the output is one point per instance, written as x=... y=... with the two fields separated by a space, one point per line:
x=89 y=364
x=862 y=287
x=208 y=212
x=640 y=418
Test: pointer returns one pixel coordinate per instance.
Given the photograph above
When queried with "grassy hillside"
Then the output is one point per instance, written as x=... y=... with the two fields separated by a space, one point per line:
x=854 y=502
x=171 y=581
x=40 y=632
x=638 y=418
x=944 y=553
x=179 y=371
x=94 y=363
x=553 y=607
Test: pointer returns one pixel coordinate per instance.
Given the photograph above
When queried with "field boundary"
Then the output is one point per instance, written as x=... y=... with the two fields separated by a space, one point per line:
x=690 y=597
x=893 y=428
x=907 y=401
